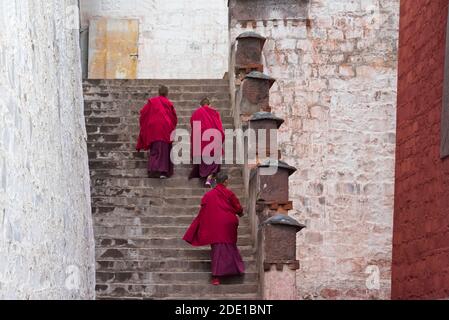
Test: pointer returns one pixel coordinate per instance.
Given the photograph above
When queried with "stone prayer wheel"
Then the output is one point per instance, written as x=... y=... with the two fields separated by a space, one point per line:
x=279 y=233
x=249 y=51
x=255 y=93
x=269 y=123
x=274 y=188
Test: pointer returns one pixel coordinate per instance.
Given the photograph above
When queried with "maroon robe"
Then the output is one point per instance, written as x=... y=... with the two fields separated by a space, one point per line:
x=217 y=221
x=159 y=161
x=209 y=119
x=216 y=225
x=226 y=260
x=158 y=120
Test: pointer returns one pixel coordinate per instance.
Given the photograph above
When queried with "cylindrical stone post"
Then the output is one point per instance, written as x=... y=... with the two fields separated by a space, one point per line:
x=273 y=186
x=248 y=56
x=264 y=124
x=279 y=257
x=255 y=93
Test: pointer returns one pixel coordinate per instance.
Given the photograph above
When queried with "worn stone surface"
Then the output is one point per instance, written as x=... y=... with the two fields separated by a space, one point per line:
x=249 y=50
x=336 y=89
x=420 y=251
x=278 y=284
x=46 y=238
x=178 y=39
x=280 y=244
x=250 y=10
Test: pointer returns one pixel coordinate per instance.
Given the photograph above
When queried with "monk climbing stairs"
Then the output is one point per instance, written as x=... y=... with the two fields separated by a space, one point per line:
x=139 y=222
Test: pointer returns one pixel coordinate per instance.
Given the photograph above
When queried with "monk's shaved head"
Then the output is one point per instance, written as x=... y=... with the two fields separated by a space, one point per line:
x=205 y=102
x=221 y=177
x=163 y=91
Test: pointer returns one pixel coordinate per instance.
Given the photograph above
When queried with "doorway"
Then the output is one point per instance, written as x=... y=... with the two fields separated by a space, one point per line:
x=113 y=48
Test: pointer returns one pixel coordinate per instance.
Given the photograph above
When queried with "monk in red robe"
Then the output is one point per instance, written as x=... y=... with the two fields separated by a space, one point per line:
x=157 y=122
x=208 y=118
x=216 y=225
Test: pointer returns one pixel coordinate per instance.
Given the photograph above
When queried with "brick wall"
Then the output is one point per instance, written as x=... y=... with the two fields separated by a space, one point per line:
x=336 y=70
x=420 y=254
x=46 y=236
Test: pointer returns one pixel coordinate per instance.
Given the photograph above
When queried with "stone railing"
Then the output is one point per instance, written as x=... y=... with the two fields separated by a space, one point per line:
x=273 y=231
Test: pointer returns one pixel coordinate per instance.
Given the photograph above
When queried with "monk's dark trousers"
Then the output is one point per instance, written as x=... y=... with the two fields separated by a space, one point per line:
x=226 y=260
x=159 y=161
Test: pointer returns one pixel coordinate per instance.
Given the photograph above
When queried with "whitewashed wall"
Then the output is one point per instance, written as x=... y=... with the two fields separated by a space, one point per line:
x=179 y=39
x=46 y=236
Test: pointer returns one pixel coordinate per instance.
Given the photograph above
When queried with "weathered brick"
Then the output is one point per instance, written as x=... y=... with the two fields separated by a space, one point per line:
x=420 y=239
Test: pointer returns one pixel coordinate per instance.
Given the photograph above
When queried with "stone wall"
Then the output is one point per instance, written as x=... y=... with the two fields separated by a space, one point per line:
x=179 y=39
x=335 y=62
x=46 y=237
x=420 y=252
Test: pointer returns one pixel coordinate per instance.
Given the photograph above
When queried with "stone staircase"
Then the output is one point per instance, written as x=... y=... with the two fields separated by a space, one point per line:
x=139 y=222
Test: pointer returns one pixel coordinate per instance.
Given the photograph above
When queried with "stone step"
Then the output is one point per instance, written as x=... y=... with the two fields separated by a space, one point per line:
x=157 y=291
x=111 y=187
x=117 y=155
x=181 y=167
x=163 y=201
x=152 y=90
x=182 y=185
x=183 y=131
x=104 y=165
x=149 y=201
x=130 y=146
x=184 y=171
x=133 y=123
x=166 y=265
x=133 y=113
x=154 y=82
x=142 y=210
x=137 y=159
x=177 y=93
x=118 y=190
x=179 y=173
x=175 y=297
x=162 y=242
x=175 y=181
x=160 y=253
x=148 y=222
x=131 y=137
x=130 y=122
x=133 y=129
x=127 y=105
x=127 y=141
x=194 y=97
x=133 y=117
x=136 y=231
x=148 y=278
